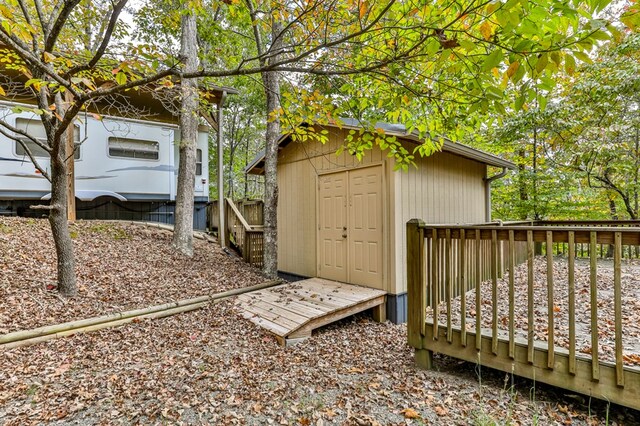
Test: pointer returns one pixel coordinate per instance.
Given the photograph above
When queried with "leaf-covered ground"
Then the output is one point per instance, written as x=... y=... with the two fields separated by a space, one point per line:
x=119 y=267
x=630 y=298
x=212 y=367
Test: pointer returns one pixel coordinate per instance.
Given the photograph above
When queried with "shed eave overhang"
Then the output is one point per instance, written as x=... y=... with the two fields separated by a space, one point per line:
x=256 y=166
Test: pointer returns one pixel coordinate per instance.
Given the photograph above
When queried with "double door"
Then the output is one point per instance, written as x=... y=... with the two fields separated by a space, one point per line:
x=350 y=227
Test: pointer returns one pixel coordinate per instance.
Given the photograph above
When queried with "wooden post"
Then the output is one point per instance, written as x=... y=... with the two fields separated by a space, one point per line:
x=550 y=303
x=571 y=263
x=617 y=303
x=71 y=175
x=223 y=232
x=417 y=293
x=593 y=293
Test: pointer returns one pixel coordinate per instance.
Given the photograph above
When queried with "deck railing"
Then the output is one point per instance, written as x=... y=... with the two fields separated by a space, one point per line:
x=480 y=293
x=251 y=210
x=247 y=238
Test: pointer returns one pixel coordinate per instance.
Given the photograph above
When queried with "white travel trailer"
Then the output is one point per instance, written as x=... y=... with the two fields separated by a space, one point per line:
x=124 y=168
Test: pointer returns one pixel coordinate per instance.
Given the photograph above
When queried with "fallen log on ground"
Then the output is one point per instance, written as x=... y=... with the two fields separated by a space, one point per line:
x=41 y=334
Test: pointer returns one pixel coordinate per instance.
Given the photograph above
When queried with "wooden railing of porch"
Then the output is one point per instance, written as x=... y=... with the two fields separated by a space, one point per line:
x=444 y=262
x=247 y=238
x=251 y=211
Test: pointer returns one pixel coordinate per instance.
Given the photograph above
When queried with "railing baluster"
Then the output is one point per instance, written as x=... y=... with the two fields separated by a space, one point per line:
x=617 y=297
x=448 y=283
x=530 y=319
x=457 y=262
x=595 y=362
x=428 y=277
x=494 y=291
x=512 y=298
x=550 y=306
x=462 y=277
x=435 y=297
x=572 y=302
x=478 y=293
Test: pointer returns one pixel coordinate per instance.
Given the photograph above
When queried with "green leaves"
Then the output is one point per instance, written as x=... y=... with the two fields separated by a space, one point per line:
x=121 y=78
x=569 y=64
x=631 y=17
x=493 y=60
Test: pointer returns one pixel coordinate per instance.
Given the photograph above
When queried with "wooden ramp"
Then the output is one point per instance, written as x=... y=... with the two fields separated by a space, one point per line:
x=292 y=311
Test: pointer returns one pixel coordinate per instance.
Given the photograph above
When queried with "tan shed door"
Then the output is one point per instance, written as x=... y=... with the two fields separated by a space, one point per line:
x=350 y=226
x=333 y=226
x=365 y=227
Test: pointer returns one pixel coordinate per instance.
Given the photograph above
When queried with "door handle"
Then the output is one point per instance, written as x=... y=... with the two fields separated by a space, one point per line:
x=344 y=232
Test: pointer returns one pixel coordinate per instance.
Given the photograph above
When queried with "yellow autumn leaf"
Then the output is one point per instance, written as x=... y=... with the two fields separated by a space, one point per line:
x=363 y=9
x=2 y=92
x=485 y=30
x=48 y=57
x=513 y=67
x=6 y=12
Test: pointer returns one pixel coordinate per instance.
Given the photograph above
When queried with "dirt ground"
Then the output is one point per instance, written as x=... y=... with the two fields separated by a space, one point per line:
x=211 y=366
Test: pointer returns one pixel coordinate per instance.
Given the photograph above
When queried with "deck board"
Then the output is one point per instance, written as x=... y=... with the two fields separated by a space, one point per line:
x=294 y=310
x=299 y=306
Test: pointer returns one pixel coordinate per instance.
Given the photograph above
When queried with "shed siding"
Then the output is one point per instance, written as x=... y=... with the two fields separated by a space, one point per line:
x=299 y=164
x=444 y=188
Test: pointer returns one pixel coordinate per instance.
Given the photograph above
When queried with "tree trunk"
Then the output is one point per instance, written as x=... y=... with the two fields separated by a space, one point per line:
x=272 y=91
x=522 y=186
x=635 y=172
x=613 y=210
x=59 y=224
x=183 y=231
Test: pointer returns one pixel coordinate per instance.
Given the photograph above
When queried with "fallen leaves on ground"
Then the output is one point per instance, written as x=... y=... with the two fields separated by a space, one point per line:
x=410 y=413
x=630 y=301
x=119 y=267
x=212 y=367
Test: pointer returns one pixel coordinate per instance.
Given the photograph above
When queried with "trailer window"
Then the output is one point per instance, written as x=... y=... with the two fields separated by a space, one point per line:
x=134 y=148
x=198 y=162
x=35 y=128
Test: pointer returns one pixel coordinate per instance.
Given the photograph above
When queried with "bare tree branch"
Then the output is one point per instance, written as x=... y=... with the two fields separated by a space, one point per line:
x=41 y=18
x=29 y=153
x=58 y=25
x=23 y=134
x=106 y=39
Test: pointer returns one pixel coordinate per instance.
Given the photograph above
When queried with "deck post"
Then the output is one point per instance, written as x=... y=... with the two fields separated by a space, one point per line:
x=380 y=312
x=224 y=228
x=417 y=293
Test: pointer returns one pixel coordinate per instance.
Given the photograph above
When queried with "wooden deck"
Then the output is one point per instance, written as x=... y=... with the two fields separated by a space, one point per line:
x=447 y=261
x=292 y=311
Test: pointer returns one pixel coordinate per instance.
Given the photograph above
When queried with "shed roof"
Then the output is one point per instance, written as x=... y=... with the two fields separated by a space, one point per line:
x=399 y=130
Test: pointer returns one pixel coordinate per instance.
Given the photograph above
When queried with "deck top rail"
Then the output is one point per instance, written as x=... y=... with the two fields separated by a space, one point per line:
x=251 y=211
x=512 y=296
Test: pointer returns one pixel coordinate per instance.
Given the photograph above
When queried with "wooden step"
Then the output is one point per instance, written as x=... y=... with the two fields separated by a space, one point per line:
x=292 y=311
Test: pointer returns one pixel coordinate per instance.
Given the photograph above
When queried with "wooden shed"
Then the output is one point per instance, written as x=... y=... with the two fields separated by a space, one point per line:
x=344 y=219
